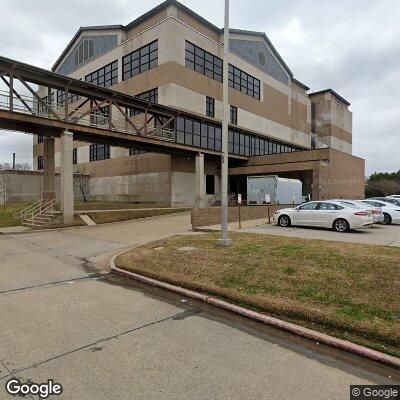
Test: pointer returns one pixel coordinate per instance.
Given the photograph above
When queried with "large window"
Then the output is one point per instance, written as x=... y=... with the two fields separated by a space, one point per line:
x=72 y=97
x=244 y=82
x=75 y=156
x=49 y=101
x=210 y=184
x=233 y=115
x=202 y=61
x=150 y=95
x=199 y=134
x=99 y=152
x=135 y=152
x=40 y=138
x=84 y=51
x=105 y=77
x=208 y=136
x=140 y=60
x=210 y=107
x=100 y=116
x=40 y=162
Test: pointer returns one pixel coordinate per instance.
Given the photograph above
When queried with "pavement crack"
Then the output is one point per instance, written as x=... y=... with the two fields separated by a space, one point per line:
x=90 y=276
x=102 y=340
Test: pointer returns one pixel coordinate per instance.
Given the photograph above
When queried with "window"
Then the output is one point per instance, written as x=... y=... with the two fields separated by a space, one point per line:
x=135 y=152
x=99 y=152
x=100 y=116
x=210 y=184
x=75 y=156
x=329 y=207
x=150 y=95
x=40 y=162
x=49 y=101
x=308 y=206
x=234 y=115
x=84 y=51
x=208 y=136
x=104 y=77
x=40 y=138
x=210 y=107
x=140 y=60
x=72 y=97
x=244 y=82
x=203 y=62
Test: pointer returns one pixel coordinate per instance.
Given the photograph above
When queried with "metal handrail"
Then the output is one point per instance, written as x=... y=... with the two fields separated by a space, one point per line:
x=46 y=206
x=27 y=210
x=93 y=119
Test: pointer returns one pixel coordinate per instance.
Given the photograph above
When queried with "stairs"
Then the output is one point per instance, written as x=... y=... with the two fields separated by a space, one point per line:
x=38 y=214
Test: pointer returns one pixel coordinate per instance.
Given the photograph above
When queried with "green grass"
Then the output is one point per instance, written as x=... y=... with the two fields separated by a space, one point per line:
x=7 y=218
x=345 y=289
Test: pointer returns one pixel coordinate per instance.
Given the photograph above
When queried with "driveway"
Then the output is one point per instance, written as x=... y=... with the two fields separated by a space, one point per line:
x=386 y=235
x=105 y=337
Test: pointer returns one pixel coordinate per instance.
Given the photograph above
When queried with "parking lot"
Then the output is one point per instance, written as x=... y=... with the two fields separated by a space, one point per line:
x=386 y=235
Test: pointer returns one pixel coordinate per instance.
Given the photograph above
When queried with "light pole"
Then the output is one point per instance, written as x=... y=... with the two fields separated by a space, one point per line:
x=224 y=240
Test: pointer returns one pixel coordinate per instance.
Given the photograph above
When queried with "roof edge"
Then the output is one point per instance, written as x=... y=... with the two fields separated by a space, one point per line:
x=265 y=37
x=78 y=32
x=300 y=84
x=332 y=92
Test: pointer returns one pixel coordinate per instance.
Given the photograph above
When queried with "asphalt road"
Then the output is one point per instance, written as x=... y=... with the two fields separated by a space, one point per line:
x=105 y=337
x=386 y=235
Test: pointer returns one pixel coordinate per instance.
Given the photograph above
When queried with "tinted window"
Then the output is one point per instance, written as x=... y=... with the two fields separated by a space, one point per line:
x=308 y=206
x=329 y=207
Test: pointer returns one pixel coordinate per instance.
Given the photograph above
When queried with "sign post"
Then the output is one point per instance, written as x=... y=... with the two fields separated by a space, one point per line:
x=268 y=201
x=239 y=203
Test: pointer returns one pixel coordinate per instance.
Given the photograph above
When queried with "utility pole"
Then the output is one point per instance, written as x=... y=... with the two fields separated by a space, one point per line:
x=225 y=241
x=13 y=165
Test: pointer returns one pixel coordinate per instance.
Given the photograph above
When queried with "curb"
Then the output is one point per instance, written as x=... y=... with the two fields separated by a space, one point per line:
x=298 y=330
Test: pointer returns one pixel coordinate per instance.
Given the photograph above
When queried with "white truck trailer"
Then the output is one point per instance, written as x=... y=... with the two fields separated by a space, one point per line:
x=280 y=190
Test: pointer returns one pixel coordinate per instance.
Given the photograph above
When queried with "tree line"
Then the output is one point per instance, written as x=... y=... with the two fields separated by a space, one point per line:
x=383 y=184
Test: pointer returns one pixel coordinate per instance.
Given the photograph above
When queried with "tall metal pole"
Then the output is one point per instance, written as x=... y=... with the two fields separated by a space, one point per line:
x=225 y=241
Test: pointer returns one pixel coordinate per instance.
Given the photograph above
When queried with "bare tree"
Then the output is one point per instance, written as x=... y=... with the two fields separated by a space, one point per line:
x=25 y=166
x=3 y=189
x=82 y=184
x=385 y=186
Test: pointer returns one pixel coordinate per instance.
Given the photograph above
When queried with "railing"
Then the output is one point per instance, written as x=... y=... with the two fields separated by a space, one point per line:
x=29 y=105
x=28 y=215
x=27 y=210
x=217 y=197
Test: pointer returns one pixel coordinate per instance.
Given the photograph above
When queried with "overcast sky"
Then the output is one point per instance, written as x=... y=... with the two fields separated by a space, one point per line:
x=351 y=46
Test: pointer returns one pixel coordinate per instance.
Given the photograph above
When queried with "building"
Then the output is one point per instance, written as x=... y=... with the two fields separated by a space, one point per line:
x=172 y=56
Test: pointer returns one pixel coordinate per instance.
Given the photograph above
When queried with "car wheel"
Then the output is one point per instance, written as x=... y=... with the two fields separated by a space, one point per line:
x=341 y=225
x=387 y=219
x=284 y=221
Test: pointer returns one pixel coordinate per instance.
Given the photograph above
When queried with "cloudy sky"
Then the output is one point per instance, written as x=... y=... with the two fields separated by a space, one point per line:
x=351 y=46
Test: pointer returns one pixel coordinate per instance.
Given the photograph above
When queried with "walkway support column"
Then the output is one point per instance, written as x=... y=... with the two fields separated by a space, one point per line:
x=49 y=173
x=200 y=182
x=67 y=184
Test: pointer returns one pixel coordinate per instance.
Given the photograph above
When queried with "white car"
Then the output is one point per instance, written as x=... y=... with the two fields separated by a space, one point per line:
x=377 y=214
x=391 y=212
x=325 y=214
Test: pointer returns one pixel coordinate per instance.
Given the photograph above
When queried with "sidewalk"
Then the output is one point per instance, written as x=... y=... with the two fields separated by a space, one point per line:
x=13 y=229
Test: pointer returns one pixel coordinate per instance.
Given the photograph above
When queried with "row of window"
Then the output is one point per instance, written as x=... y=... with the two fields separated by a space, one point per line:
x=96 y=152
x=207 y=136
x=209 y=65
x=84 y=51
x=105 y=76
x=150 y=95
x=140 y=60
x=203 y=62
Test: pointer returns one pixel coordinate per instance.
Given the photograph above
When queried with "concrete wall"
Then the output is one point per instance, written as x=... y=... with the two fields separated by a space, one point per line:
x=27 y=186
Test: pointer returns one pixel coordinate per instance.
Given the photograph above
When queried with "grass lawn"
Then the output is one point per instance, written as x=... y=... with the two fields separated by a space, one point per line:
x=351 y=291
x=6 y=217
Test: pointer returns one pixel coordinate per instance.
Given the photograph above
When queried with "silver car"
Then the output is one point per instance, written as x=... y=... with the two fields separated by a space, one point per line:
x=376 y=212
